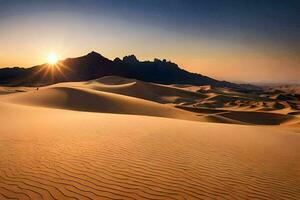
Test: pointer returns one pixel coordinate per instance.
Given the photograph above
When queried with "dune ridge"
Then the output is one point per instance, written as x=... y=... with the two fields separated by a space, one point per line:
x=119 y=95
x=80 y=99
x=62 y=154
x=139 y=89
x=116 y=138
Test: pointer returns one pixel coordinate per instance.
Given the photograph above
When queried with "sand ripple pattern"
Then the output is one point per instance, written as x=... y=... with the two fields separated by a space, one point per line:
x=104 y=156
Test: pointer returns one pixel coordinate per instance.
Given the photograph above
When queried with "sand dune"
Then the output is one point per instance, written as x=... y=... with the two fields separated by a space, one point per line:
x=144 y=90
x=291 y=89
x=114 y=94
x=50 y=149
x=84 y=99
x=61 y=154
x=10 y=90
x=243 y=117
x=258 y=118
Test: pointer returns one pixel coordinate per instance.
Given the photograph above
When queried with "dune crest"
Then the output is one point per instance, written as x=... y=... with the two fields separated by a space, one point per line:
x=76 y=98
x=123 y=144
x=113 y=94
x=62 y=154
x=144 y=90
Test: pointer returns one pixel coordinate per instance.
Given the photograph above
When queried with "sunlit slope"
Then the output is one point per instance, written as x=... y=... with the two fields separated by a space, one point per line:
x=61 y=154
x=85 y=99
x=114 y=94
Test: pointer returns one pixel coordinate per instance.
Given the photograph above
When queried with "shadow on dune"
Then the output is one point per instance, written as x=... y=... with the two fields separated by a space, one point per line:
x=95 y=101
x=144 y=90
x=113 y=94
x=258 y=118
x=241 y=117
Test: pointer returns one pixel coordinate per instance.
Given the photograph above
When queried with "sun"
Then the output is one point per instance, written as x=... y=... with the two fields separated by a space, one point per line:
x=52 y=59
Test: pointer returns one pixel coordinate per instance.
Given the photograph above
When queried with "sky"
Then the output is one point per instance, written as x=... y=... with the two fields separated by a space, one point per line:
x=256 y=41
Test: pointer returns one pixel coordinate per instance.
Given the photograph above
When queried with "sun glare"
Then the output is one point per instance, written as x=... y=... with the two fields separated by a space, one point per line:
x=52 y=59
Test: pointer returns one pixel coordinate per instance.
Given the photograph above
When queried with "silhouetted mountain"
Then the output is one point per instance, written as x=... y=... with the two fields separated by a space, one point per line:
x=94 y=65
x=8 y=74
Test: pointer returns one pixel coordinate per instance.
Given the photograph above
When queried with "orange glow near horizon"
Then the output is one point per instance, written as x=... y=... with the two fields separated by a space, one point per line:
x=220 y=58
x=201 y=38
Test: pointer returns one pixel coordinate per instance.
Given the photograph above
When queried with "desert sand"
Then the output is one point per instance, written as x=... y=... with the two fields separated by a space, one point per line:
x=115 y=138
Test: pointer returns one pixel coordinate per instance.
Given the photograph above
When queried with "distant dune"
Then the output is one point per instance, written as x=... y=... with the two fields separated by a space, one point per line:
x=144 y=90
x=291 y=89
x=95 y=101
x=118 y=138
x=113 y=94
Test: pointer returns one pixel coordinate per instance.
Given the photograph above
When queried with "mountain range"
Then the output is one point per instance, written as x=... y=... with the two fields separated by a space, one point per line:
x=94 y=65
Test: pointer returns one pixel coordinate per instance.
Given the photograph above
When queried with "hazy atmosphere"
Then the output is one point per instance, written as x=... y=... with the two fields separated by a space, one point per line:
x=249 y=41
